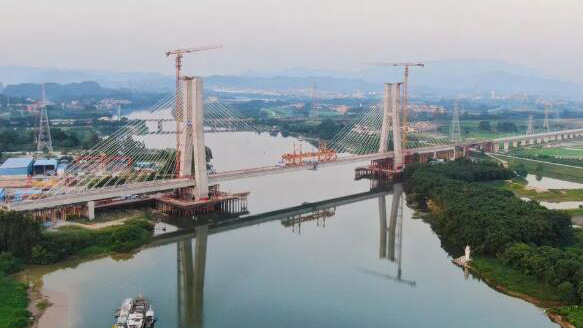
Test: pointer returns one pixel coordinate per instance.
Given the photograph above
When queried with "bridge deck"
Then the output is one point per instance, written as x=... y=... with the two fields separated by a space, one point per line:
x=159 y=186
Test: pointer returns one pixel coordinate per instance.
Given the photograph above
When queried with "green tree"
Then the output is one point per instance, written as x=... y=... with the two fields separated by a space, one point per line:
x=484 y=126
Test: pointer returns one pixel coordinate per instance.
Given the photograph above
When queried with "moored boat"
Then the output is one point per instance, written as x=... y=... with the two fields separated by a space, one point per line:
x=135 y=313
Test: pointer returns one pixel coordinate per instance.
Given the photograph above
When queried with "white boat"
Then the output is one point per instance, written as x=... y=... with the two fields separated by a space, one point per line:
x=136 y=320
x=123 y=313
x=135 y=313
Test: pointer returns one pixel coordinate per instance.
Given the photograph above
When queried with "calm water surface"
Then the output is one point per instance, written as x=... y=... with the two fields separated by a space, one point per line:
x=333 y=274
x=550 y=183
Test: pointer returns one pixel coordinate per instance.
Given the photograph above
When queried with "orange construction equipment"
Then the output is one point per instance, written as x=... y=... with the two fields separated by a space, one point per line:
x=298 y=157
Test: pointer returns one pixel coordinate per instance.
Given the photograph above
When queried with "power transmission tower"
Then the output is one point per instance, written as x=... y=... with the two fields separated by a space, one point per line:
x=314 y=107
x=546 y=125
x=44 y=140
x=530 y=129
x=454 y=130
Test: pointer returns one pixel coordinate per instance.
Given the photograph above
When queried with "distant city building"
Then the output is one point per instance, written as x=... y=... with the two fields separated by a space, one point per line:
x=343 y=109
x=428 y=108
x=111 y=103
x=1 y=87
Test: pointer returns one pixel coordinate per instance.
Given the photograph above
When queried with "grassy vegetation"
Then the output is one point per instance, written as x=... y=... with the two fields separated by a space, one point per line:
x=575 y=212
x=554 y=151
x=551 y=195
x=548 y=169
x=72 y=241
x=50 y=247
x=13 y=303
x=573 y=313
x=513 y=281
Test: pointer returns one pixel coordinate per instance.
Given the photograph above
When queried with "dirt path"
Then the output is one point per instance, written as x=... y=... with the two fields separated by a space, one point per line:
x=94 y=226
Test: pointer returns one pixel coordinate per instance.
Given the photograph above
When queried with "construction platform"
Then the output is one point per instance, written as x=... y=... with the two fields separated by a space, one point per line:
x=184 y=205
x=378 y=169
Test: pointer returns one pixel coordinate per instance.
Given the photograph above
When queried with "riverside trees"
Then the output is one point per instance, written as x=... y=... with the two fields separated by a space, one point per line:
x=522 y=234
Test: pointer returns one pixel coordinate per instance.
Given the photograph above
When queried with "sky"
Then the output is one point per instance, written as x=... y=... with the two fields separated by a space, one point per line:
x=271 y=35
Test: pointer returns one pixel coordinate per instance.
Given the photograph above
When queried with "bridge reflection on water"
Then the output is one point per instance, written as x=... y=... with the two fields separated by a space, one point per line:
x=192 y=242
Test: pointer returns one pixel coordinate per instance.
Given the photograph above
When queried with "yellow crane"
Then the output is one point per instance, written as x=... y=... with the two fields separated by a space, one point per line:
x=406 y=66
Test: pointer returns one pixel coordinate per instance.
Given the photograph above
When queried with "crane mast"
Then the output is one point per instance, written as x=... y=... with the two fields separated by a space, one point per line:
x=179 y=54
x=405 y=104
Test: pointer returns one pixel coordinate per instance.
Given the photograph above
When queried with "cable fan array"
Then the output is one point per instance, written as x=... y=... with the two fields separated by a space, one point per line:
x=362 y=134
x=139 y=151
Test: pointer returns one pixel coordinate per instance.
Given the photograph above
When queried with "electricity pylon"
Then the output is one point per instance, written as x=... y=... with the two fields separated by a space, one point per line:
x=454 y=130
x=44 y=140
x=546 y=124
x=530 y=129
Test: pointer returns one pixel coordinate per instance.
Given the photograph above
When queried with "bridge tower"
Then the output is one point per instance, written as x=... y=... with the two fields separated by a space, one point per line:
x=191 y=145
x=392 y=116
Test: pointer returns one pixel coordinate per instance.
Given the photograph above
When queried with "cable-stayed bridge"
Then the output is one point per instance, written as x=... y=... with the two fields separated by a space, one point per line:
x=124 y=163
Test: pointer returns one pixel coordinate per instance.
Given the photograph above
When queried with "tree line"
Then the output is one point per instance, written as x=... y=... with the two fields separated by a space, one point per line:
x=523 y=234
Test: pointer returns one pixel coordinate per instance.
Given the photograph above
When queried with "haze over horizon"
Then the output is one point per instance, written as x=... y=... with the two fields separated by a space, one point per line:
x=261 y=35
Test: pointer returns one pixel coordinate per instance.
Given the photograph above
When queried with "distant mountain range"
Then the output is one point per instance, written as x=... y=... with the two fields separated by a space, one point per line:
x=442 y=78
x=69 y=91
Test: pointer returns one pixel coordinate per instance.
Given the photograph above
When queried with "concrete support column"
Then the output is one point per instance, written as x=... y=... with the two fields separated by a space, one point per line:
x=538 y=140
x=523 y=142
x=393 y=90
x=91 y=210
x=194 y=143
x=384 y=138
x=515 y=144
x=496 y=147
x=531 y=141
x=506 y=145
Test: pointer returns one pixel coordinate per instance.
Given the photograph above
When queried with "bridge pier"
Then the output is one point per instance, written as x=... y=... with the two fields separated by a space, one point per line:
x=506 y=145
x=496 y=147
x=515 y=144
x=91 y=210
x=531 y=141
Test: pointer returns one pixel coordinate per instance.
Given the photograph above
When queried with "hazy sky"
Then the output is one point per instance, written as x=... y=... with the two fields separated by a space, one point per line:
x=130 y=35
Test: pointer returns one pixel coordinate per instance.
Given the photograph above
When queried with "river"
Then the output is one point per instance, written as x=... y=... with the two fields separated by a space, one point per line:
x=342 y=272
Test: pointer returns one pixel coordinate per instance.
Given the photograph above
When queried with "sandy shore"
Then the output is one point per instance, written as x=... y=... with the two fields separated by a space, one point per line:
x=55 y=315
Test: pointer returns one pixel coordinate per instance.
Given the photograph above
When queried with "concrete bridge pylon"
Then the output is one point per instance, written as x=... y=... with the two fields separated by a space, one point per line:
x=192 y=147
x=392 y=117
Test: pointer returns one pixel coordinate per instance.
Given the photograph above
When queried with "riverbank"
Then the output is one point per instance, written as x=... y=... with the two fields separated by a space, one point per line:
x=548 y=169
x=516 y=284
x=26 y=303
x=521 y=248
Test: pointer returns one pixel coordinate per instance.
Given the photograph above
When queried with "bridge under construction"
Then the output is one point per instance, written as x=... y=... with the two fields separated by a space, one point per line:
x=180 y=181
